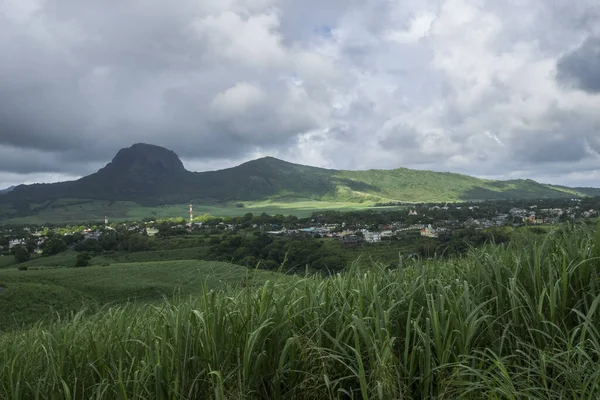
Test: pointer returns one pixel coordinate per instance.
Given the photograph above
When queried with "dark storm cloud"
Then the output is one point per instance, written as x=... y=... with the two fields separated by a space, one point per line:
x=26 y=161
x=89 y=78
x=581 y=67
x=552 y=149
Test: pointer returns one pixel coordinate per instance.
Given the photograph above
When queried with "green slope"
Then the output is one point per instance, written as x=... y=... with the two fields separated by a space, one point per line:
x=28 y=296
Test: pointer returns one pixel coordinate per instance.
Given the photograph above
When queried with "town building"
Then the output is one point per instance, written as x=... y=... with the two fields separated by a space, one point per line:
x=429 y=232
x=371 y=237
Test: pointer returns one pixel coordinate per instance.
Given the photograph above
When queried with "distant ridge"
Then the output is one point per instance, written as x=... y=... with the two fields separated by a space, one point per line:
x=153 y=175
x=7 y=190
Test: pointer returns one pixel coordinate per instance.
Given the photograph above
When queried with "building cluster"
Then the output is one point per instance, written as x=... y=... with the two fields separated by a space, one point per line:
x=428 y=221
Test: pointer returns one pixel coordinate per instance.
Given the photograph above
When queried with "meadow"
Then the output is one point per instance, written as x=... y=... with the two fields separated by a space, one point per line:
x=511 y=321
x=80 y=210
x=45 y=293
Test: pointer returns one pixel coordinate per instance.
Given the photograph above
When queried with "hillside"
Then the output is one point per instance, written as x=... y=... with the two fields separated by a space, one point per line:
x=7 y=190
x=150 y=176
x=47 y=292
x=517 y=321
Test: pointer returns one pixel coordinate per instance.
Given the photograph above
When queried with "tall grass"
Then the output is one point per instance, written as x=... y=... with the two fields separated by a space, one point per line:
x=505 y=322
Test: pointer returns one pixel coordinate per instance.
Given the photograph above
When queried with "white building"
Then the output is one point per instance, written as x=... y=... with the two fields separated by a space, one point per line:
x=372 y=237
x=15 y=242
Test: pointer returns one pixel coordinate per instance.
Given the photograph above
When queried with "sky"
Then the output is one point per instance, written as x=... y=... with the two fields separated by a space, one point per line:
x=497 y=89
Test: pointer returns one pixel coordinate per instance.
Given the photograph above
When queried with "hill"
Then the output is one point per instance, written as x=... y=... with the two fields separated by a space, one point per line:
x=29 y=297
x=7 y=190
x=150 y=176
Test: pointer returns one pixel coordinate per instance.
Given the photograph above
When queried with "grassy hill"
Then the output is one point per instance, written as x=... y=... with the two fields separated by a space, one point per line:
x=509 y=322
x=30 y=296
x=142 y=179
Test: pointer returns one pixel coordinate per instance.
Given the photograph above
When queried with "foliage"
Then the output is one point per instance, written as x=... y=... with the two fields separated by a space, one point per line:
x=83 y=260
x=21 y=253
x=89 y=245
x=54 y=245
x=513 y=321
x=290 y=254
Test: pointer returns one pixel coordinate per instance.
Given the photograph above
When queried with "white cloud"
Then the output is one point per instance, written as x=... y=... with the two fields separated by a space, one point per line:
x=238 y=100
x=252 y=41
x=418 y=29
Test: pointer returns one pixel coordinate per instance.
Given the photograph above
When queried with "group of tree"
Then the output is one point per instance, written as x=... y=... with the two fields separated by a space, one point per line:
x=116 y=241
x=266 y=252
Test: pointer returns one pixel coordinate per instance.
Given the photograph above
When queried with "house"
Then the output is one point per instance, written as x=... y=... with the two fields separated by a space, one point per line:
x=416 y=227
x=95 y=235
x=590 y=213
x=429 y=232
x=350 y=240
x=372 y=237
x=151 y=231
x=281 y=232
x=387 y=234
x=15 y=242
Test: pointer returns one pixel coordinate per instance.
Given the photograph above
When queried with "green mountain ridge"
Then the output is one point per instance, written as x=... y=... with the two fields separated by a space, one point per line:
x=151 y=175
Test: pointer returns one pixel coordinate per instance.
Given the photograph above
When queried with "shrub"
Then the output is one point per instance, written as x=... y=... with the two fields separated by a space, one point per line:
x=83 y=260
x=21 y=254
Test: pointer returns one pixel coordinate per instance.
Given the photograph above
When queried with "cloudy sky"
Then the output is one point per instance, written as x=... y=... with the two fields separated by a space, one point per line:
x=499 y=89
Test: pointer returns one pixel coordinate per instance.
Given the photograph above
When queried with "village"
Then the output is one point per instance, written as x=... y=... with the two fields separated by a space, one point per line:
x=351 y=228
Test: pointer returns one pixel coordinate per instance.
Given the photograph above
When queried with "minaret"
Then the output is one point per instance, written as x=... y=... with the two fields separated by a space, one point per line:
x=191 y=215
x=105 y=220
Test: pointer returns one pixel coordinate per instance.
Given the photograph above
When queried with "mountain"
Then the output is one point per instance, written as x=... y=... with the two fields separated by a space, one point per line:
x=7 y=190
x=152 y=175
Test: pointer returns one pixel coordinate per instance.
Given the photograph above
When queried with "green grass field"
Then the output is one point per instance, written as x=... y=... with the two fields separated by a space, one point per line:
x=28 y=296
x=7 y=261
x=67 y=258
x=518 y=321
x=95 y=210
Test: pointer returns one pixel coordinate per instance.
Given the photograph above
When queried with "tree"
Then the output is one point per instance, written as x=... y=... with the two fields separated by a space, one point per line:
x=83 y=260
x=88 y=245
x=30 y=244
x=109 y=241
x=54 y=246
x=21 y=254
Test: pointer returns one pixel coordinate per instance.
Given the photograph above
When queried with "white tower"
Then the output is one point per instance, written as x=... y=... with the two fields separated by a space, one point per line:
x=191 y=215
x=105 y=220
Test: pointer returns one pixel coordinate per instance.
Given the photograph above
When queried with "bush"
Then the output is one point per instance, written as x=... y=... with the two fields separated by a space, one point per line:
x=89 y=245
x=83 y=260
x=21 y=254
x=54 y=246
